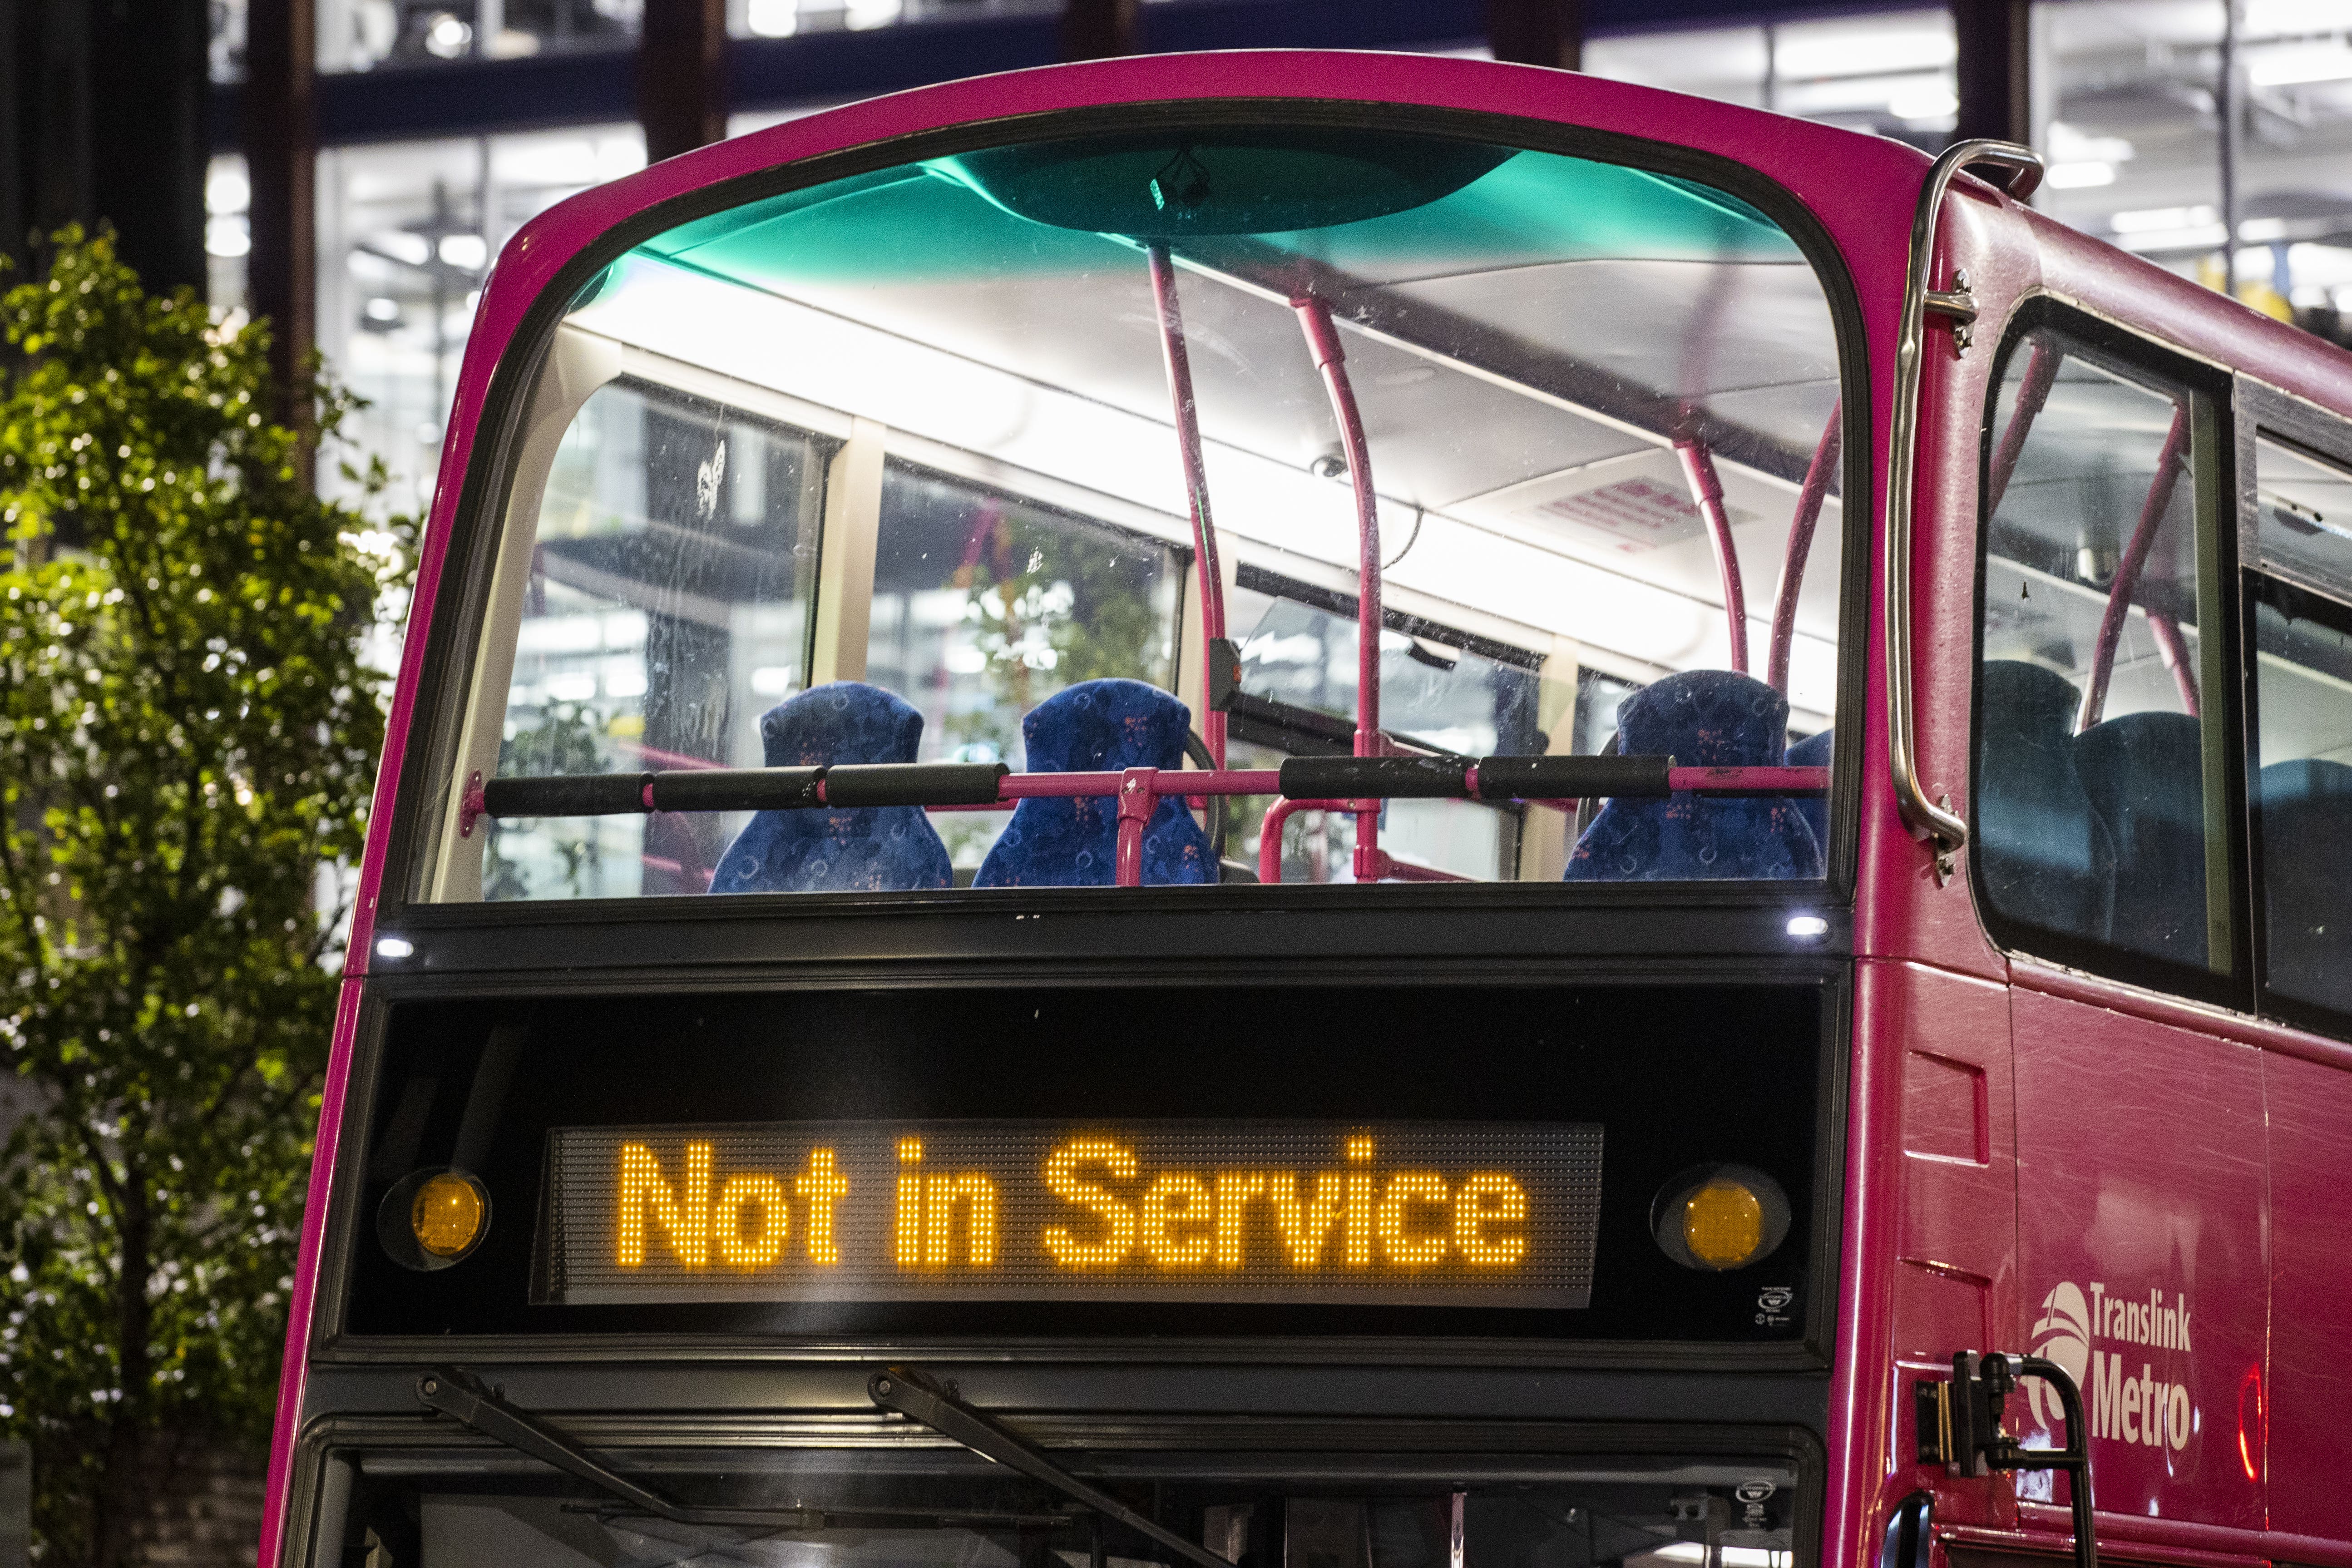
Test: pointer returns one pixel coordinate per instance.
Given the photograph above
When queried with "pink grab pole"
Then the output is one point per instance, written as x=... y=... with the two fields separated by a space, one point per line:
x=2033 y=392
x=1269 y=833
x=2168 y=464
x=1706 y=492
x=1800 y=548
x=1196 y=487
x=2174 y=651
x=1323 y=340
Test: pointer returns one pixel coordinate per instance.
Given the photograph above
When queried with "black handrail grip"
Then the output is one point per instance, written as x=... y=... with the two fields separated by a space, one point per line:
x=736 y=789
x=1572 y=778
x=913 y=784
x=1393 y=778
x=578 y=794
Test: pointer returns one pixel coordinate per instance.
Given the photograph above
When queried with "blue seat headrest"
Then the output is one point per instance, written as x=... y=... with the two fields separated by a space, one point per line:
x=1705 y=718
x=2307 y=818
x=2045 y=858
x=841 y=722
x=2307 y=779
x=1098 y=726
x=1701 y=718
x=2145 y=774
x=892 y=848
x=2028 y=702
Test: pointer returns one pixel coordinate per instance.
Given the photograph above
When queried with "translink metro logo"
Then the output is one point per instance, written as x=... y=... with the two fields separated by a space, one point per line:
x=2139 y=1407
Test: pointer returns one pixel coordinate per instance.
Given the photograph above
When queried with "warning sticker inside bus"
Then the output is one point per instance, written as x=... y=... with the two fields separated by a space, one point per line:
x=1324 y=1213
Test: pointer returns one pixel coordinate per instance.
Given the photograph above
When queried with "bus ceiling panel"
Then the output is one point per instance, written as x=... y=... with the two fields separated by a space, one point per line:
x=1472 y=261
x=1442 y=433
x=1159 y=185
x=1531 y=207
x=1659 y=344
x=1632 y=518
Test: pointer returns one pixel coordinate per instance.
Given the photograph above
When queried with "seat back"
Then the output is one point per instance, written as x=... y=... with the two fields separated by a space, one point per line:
x=1701 y=718
x=1098 y=726
x=2145 y=773
x=2307 y=822
x=2043 y=856
x=1814 y=752
x=887 y=848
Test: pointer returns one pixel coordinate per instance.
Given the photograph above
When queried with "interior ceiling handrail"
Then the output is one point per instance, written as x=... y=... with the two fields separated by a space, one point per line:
x=2033 y=391
x=1707 y=494
x=1323 y=341
x=1944 y=829
x=1802 y=523
x=1196 y=489
x=2168 y=465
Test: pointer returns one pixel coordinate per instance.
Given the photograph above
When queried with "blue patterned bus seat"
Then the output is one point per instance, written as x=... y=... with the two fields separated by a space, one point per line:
x=1701 y=718
x=2044 y=855
x=2145 y=773
x=2306 y=822
x=882 y=849
x=1098 y=726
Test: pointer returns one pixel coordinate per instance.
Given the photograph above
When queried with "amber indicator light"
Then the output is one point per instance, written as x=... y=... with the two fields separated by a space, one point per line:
x=447 y=1214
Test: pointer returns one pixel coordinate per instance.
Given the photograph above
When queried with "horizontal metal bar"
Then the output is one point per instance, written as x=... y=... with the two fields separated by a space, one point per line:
x=1749 y=781
x=969 y=786
x=1390 y=778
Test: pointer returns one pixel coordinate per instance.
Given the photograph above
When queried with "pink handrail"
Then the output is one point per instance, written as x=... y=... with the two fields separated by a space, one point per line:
x=1323 y=340
x=1269 y=833
x=1013 y=788
x=1179 y=364
x=1706 y=493
x=2174 y=652
x=2168 y=464
x=667 y=759
x=1816 y=490
x=2033 y=392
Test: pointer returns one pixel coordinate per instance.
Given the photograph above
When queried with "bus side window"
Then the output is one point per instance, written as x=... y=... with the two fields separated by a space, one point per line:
x=2297 y=589
x=2098 y=755
x=664 y=608
x=985 y=604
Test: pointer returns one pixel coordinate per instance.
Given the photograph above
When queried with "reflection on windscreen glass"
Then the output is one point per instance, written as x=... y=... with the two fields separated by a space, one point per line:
x=942 y=1511
x=911 y=436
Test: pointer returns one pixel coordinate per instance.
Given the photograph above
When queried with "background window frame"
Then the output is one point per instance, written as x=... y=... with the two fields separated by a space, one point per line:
x=2214 y=478
x=2265 y=412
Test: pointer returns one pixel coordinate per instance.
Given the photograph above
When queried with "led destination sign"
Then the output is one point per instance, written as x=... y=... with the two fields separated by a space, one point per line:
x=1391 y=1214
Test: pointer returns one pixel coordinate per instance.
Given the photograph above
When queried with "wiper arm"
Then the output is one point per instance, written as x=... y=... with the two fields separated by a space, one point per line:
x=918 y=1398
x=456 y=1392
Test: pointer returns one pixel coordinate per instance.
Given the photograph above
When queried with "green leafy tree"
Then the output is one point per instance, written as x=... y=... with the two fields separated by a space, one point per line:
x=188 y=734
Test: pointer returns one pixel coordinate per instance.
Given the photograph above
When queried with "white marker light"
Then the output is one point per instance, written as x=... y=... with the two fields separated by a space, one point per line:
x=1805 y=927
x=401 y=947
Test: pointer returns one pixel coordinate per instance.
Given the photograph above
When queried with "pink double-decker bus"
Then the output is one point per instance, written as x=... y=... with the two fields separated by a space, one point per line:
x=1610 y=1008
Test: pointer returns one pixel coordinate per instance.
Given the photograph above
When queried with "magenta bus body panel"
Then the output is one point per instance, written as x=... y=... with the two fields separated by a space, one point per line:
x=1991 y=1150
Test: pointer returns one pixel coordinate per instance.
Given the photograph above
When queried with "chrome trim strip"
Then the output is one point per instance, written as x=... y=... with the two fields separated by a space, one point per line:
x=1947 y=830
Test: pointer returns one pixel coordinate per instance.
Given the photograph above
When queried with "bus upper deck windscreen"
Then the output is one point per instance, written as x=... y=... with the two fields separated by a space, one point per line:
x=1069 y=455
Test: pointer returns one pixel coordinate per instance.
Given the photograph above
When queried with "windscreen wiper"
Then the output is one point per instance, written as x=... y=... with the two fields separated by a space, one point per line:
x=457 y=1393
x=918 y=1398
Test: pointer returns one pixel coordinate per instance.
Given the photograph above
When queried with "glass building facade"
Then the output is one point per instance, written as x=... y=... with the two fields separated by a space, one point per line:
x=2127 y=110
